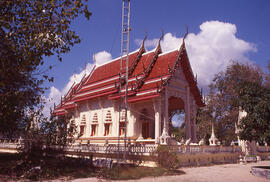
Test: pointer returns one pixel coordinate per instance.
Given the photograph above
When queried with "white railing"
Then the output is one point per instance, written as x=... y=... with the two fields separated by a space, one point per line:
x=133 y=149
x=10 y=143
x=263 y=148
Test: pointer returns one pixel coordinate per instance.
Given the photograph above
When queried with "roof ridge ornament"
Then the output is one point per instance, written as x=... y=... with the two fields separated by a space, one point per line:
x=138 y=57
x=186 y=34
x=144 y=39
x=146 y=71
x=158 y=49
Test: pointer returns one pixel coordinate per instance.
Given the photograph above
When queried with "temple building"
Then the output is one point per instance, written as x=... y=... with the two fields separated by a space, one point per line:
x=158 y=84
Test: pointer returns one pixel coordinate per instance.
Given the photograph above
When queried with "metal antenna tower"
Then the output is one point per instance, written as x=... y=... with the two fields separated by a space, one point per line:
x=124 y=56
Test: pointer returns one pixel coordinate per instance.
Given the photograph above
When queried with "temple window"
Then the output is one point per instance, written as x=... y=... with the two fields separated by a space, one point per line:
x=94 y=125
x=122 y=128
x=122 y=123
x=82 y=125
x=108 y=124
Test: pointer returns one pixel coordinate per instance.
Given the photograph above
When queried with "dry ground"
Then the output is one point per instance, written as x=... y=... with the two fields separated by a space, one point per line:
x=217 y=173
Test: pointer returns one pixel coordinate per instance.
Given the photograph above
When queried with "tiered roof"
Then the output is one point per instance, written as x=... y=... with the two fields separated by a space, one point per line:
x=149 y=73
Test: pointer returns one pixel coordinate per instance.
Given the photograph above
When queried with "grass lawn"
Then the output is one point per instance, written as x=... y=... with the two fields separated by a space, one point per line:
x=12 y=168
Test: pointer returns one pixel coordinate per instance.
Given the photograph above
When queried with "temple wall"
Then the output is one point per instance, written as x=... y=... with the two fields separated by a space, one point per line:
x=100 y=107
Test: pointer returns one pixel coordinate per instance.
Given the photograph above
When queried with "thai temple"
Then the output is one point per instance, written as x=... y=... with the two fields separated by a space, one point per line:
x=159 y=83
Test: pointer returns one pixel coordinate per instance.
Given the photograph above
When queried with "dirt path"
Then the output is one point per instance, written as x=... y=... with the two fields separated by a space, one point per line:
x=218 y=173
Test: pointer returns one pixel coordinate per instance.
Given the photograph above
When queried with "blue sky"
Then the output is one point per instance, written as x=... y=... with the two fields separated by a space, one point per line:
x=219 y=31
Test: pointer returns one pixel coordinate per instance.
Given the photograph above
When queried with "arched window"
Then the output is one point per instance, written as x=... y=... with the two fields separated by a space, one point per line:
x=94 y=125
x=122 y=123
x=82 y=125
x=108 y=124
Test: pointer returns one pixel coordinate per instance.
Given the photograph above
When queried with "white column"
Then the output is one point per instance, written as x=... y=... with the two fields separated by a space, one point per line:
x=187 y=114
x=166 y=111
x=115 y=116
x=139 y=127
x=157 y=108
x=100 y=118
x=131 y=121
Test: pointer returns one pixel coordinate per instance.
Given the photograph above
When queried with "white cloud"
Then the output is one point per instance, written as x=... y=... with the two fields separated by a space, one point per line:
x=55 y=94
x=53 y=97
x=178 y=120
x=211 y=50
x=102 y=57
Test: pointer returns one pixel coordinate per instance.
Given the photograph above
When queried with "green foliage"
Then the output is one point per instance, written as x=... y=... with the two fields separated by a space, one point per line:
x=204 y=119
x=242 y=85
x=166 y=158
x=178 y=132
x=255 y=100
x=29 y=31
x=58 y=131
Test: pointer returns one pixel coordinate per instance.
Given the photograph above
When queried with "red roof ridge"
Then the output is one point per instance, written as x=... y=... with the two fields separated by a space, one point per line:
x=153 y=50
x=90 y=74
x=164 y=53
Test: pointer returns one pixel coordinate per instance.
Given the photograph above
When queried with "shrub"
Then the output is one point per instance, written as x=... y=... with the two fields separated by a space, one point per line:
x=165 y=158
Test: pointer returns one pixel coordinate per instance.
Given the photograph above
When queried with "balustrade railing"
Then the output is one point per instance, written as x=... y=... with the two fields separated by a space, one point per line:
x=263 y=148
x=133 y=149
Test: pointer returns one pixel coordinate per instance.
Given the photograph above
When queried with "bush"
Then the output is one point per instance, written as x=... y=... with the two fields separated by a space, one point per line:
x=165 y=158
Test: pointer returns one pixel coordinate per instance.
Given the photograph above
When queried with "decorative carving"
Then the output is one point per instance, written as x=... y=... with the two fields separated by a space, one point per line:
x=139 y=55
x=147 y=71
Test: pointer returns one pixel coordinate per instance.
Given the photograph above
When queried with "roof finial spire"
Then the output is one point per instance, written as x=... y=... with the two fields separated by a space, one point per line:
x=145 y=37
x=185 y=34
x=158 y=49
x=161 y=37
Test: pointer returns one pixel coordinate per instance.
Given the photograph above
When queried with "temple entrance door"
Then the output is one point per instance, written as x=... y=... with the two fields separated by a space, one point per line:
x=145 y=130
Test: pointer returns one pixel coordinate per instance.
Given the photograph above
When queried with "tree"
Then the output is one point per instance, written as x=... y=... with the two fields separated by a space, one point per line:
x=29 y=31
x=267 y=76
x=223 y=99
x=255 y=100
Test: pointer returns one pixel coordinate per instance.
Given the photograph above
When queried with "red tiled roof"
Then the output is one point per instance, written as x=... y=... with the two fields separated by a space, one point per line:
x=143 y=63
x=111 y=69
x=153 y=69
x=161 y=66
